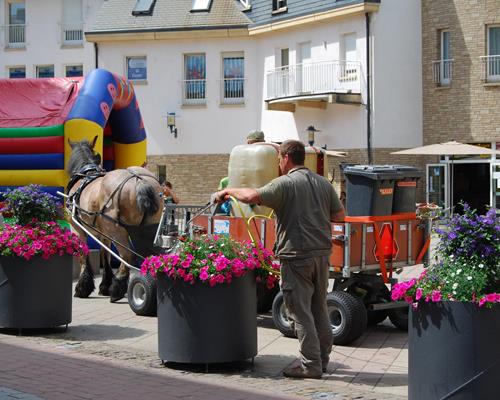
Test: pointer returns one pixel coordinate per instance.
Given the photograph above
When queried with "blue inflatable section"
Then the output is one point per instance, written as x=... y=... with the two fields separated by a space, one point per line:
x=31 y=161
x=108 y=165
x=126 y=121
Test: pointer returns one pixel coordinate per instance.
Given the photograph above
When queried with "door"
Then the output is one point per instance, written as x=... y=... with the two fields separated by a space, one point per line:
x=437 y=189
x=304 y=73
x=495 y=186
x=445 y=67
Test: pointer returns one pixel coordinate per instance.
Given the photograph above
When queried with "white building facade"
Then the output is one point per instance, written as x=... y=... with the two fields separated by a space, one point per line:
x=46 y=38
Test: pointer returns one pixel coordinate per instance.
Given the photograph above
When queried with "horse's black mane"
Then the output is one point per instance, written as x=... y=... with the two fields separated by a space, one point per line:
x=82 y=154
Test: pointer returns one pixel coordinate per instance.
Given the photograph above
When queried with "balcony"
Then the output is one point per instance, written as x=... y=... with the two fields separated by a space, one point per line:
x=314 y=84
x=232 y=91
x=194 y=91
x=442 y=72
x=15 y=36
x=72 y=34
x=491 y=68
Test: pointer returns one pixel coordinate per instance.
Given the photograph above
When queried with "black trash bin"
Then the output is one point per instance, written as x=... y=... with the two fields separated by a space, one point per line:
x=405 y=189
x=369 y=189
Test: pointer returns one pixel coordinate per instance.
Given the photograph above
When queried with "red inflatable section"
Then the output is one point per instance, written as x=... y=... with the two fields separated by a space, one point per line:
x=35 y=145
x=36 y=102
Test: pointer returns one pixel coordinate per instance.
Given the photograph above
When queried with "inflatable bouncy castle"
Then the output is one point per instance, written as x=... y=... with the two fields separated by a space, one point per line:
x=38 y=118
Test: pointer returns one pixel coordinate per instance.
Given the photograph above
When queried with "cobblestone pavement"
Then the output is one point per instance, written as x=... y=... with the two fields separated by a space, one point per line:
x=110 y=353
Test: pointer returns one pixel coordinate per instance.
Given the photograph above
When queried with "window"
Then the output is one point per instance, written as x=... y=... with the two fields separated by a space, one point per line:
x=144 y=7
x=17 y=72
x=493 y=57
x=72 y=25
x=442 y=69
x=284 y=58
x=17 y=24
x=201 y=5
x=233 y=79
x=73 y=70
x=194 y=78
x=162 y=173
x=279 y=5
x=349 y=57
x=44 y=71
x=137 y=68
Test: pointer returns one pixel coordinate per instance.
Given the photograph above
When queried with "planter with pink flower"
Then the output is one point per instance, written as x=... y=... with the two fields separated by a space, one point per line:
x=454 y=324
x=36 y=266
x=206 y=299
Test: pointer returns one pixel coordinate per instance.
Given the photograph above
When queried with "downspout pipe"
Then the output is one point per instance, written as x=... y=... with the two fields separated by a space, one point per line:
x=96 y=54
x=368 y=93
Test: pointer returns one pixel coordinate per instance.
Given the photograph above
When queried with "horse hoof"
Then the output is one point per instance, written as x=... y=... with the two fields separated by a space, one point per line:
x=104 y=291
x=118 y=289
x=85 y=286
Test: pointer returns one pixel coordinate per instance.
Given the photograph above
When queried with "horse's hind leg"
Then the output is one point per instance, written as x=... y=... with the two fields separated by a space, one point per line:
x=119 y=285
x=85 y=284
x=107 y=273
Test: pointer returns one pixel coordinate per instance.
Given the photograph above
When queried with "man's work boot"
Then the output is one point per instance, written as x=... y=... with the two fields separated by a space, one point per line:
x=299 y=372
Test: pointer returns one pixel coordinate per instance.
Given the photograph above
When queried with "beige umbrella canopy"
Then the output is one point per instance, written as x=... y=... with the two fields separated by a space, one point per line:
x=452 y=148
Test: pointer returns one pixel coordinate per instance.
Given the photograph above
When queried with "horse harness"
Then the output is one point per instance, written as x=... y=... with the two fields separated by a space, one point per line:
x=86 y=175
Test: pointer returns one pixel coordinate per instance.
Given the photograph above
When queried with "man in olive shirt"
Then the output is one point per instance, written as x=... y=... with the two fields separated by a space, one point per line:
x=305 y=203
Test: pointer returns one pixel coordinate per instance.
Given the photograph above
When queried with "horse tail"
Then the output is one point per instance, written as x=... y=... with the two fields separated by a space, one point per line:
x=148 y=199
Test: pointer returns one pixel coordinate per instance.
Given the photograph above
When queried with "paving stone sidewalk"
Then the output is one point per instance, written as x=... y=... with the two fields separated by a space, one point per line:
x=108 y=352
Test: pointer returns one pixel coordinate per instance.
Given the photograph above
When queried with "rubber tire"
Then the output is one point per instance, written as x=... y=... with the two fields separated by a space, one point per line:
x=265 y=297
x=280 y=318
x=375 y=317
x=145 y=287
x=348 y=316
x=399 y=317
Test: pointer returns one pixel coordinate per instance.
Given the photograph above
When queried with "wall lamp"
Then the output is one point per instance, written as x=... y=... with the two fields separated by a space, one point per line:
x=171 y=123
x=311 y=130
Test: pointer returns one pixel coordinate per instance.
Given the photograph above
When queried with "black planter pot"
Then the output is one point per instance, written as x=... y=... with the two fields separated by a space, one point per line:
x=35 y=293
x=203 y=324
x=454 y=351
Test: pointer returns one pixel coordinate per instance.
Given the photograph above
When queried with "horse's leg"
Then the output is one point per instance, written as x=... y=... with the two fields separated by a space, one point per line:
x=107 y=272
x=85 y=284
x=119 y=285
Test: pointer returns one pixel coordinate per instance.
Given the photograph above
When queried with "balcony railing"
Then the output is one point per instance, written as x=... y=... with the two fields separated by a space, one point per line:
x=72 y=33
x=314 y=78
x=194 y=91
x=491 y=70
x=15 y=35
x=232 y=90
x=443 y=72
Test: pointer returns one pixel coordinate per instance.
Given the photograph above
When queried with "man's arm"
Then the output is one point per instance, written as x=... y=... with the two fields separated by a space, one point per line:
x=245 y=195
x=339 y=216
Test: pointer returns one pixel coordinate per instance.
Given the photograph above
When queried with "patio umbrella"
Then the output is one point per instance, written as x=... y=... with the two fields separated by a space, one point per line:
x=452 y=148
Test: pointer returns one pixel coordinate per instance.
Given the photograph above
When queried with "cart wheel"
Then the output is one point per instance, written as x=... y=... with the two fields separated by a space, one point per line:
x=399 y=317
x=280 y=317
x=265 y=297
x=347 y=315
x=142 y=295
x=375 y=293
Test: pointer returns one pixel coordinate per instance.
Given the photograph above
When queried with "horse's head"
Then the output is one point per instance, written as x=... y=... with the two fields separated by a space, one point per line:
x=82 y=154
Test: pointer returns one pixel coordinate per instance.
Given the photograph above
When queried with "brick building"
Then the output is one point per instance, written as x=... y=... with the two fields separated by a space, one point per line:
x=461 y=96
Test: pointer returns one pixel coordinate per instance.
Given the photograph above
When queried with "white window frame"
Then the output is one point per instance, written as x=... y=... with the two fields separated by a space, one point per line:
x=227 y=81
x=193 y=85
x=44 y=65
x=72 y=65
x=279 y=6
x=9 y=67
x=492 y=67
x=72 y=30
x=17 y=30
x=136 y=57
x=444 y=62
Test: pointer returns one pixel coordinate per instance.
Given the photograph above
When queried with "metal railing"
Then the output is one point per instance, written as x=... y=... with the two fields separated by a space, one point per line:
x=314 y=78
x=15 y=35
x=443 y=72
x=194 y=91
x=232 y=90
x=72 y=33
x=491 y=70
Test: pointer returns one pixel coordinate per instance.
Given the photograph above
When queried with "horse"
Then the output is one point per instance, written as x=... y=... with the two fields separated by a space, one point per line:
x=110 y=204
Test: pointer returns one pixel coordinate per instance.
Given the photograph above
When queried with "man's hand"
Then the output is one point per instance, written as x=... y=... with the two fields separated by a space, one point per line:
x=218 y=197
